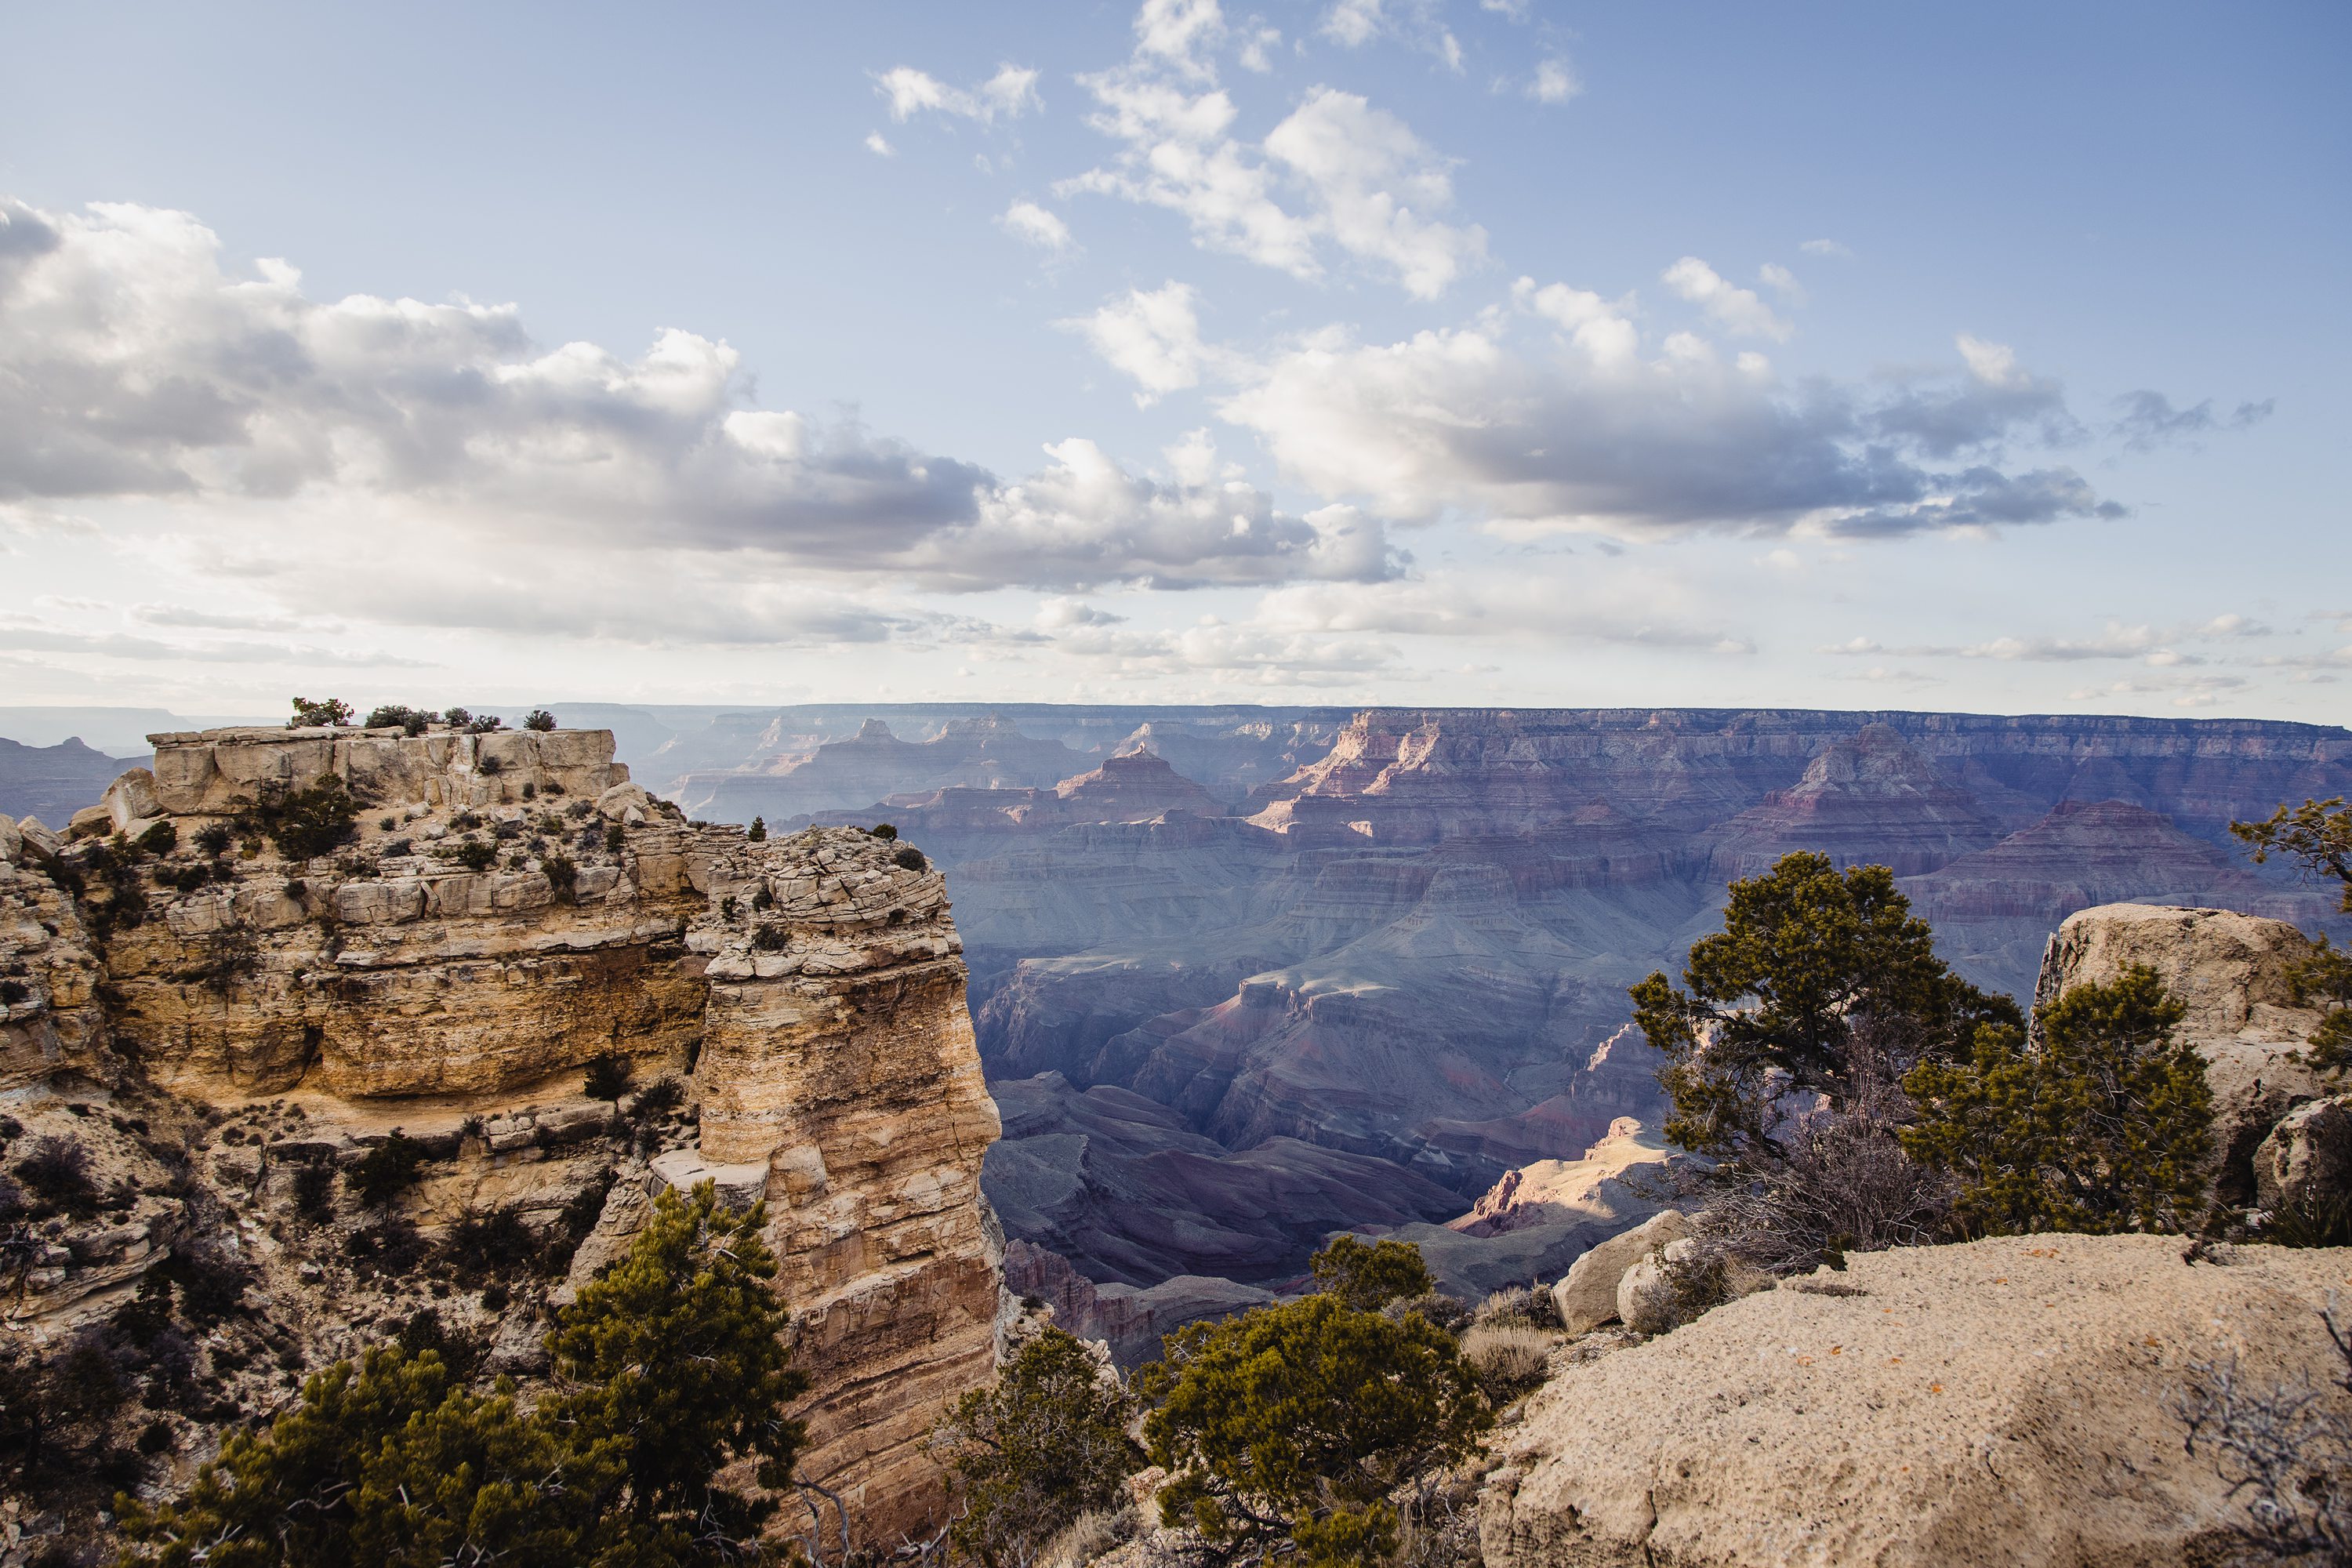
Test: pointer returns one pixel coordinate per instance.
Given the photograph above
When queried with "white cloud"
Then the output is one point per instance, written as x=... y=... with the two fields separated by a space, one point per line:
x=1010 y=93
x=1178 y=34
x=1375 y=183
x=1418 y=24
x=879 y=146
x=1033 y=225
x=1601 y=328
x=1782 y=281
x=1554 y=82
x=1151 y=336
x=1258 y=44
x=131 y=365
x=1736 y=309
x=1824 y=247
x=1353 y=23
x=1456 y=422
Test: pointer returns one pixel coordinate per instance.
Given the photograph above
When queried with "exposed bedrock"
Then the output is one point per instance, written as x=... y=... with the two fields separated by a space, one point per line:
x=812 y=986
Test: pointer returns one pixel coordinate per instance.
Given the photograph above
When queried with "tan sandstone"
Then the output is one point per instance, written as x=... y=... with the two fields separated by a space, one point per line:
x=1998 y=1401
x=813 y=986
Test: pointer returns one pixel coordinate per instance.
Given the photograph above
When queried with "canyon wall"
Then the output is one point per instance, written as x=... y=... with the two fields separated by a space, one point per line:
x=506 y=907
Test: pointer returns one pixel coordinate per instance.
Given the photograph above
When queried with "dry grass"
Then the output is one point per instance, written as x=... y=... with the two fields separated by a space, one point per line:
x=1087 y=1537
x=1509 y=1359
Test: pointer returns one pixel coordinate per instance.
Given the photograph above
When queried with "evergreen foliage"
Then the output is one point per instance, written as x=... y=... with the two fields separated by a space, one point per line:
x=539 y=719
x=1806 y=956
x=380 y=1176
x=1291 y=1424
x=2104 y=1127
x=309 y=715
x=758 y=832
x=669 y=1368
x=1045 y=1445
x=1369 y=1277
x=607 y=1075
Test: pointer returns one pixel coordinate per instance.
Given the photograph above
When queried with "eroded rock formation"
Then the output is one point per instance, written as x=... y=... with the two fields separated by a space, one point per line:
x=507 y=906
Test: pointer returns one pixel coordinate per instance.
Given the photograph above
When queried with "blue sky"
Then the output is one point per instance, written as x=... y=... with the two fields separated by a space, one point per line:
x=1346 y=352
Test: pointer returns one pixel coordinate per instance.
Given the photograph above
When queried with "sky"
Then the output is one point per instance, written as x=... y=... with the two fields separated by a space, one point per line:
x=1492 y=353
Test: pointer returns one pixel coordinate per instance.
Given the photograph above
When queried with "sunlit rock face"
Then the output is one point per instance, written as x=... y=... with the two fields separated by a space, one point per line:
x=509 y=906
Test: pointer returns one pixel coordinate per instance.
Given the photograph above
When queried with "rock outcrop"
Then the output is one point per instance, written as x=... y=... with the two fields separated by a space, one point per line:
x=505 y=907
x=2230 y=970
x=1999 y=1402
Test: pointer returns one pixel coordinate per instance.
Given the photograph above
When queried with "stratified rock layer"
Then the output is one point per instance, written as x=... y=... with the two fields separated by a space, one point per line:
x=1999 y=1402
x=509 y=906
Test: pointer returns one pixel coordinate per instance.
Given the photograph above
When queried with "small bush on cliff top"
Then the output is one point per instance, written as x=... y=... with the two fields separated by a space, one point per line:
x=1045 y=1445
x=2105 y=1128
x=539 y=719
x=332 y=711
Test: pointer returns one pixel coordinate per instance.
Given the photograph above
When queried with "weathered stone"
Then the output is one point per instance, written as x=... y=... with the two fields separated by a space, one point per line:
x=2308 y=1158
x=1587 y=1294
x=1999 y=1402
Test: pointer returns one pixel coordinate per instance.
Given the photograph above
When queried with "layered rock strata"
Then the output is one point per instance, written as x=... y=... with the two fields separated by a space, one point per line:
x=506 y=907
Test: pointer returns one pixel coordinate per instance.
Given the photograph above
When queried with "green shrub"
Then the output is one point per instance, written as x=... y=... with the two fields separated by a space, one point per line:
x=539 y=719
x=456 y=718
x=883 y=830
x=307 y=822
x=1273 y=1423
x=314 y=1191
x=1807 y=956
x=771 y=937
x=160 y=839
x=481 y=1246
x=562 y=875
x=758 y=832
x=2105 y=1127
x=615 y=841
x=658 y=1099
x=214 y=838
x=908 y=857
x=398 y=716
x=1369 y=1277
x=473 y=854
x=310 y=715
x=1046 y=1444
x=484 y=724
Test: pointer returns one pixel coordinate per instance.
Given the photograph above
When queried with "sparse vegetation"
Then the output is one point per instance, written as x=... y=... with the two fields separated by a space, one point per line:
x=55 y=1174
x=908 y=857
x=380 y=1177
x=2285 y=1449
x=539 y=719
x=160 y=839
x=316 y=820
x=669 y=1368
x=562 y=875
x=758 y=832
x=1507 y=1358
x=331 y=711
x=607 y=1075
x=883 y=830
x=1042 y=1448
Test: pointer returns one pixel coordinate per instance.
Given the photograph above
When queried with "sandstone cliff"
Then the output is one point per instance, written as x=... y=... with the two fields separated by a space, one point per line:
x=507 y=906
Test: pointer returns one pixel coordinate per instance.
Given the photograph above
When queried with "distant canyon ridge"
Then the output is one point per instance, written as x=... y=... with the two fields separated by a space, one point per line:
x=1243 y=976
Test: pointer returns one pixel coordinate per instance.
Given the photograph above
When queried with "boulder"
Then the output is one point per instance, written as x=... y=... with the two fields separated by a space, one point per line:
x=1645 y=1275
x=618 y=802
x=38 y=834
x=2004 y=1401
x=2230 y=972
x=2308 y=1158
x=130 y=802
x=1587 y=1294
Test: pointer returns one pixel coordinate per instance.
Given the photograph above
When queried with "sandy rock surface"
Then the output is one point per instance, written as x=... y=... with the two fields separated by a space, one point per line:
x=1996 y=1402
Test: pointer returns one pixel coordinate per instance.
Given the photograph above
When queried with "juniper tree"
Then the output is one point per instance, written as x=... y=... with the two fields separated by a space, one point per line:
x=1047 y=1443
x=2104 y=1126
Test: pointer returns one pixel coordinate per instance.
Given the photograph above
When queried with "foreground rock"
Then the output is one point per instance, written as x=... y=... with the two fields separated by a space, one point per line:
x=1999 y=1401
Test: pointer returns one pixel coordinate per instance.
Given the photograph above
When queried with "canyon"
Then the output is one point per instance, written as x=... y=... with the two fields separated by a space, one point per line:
x=1230 y=965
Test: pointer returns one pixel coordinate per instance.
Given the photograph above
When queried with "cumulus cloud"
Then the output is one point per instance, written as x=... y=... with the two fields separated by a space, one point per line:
x=1458 y=421
x=1009 y=94
x=1737 y=309
x=1418 y=24
x=1033 y=225
x=879 y=146
x=1151 y=336
x=1335 y=172
x=133 y=365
